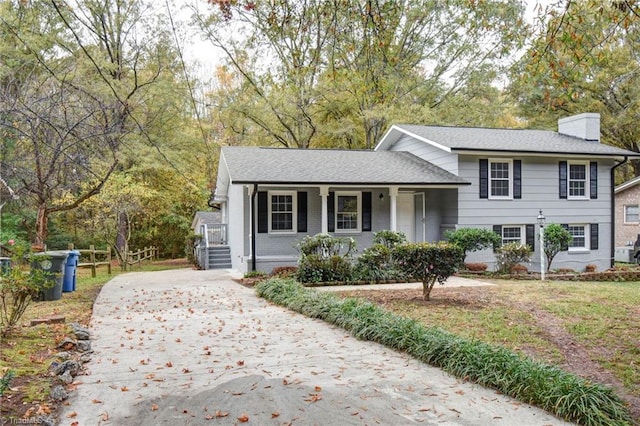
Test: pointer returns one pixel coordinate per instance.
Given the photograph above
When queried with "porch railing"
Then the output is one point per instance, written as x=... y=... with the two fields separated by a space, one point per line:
x=214 y=235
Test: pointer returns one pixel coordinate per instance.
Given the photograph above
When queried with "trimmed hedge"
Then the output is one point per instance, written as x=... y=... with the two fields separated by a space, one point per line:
x=557 y=391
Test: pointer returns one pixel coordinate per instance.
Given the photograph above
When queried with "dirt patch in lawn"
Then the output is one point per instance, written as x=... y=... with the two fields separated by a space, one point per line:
x=549 y=330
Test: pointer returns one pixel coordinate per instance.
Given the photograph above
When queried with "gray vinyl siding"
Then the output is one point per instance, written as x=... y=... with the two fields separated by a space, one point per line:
x=280 y=249
x=539 y=191
x=430 y=153
x=441 y=212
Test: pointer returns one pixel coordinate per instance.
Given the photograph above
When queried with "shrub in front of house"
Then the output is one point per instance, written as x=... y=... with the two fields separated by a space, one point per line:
x=551 y=388
x=376 y=263
x=388 y=238
x=476 y=267
x=325 y=258
x=556 y=239
x=510 y=254
x=473 y=239
x=428 y=262
x=318 y=269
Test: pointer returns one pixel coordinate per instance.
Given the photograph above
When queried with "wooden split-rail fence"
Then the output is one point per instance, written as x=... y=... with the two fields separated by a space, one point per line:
x=92 y=258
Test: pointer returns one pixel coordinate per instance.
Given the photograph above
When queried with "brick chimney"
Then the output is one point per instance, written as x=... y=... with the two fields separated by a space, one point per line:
x=584 y=126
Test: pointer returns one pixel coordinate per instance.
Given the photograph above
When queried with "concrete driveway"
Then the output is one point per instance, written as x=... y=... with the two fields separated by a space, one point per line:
x=186 y=347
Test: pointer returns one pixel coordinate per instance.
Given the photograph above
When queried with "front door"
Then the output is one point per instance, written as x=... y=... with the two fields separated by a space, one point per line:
x=406 y=216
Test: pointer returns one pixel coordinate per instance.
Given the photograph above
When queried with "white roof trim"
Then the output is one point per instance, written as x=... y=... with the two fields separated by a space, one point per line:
x=626 y=185
x=385 y=144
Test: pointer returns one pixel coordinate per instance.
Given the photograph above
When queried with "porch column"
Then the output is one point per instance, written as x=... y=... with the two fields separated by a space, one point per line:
x=251 y=189
x=393 y=213
x=324 y=194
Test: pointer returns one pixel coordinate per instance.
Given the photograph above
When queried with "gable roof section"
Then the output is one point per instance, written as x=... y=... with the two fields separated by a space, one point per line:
x=627 y=185
x=478 y=139
x=329 y=166
x=210 y=218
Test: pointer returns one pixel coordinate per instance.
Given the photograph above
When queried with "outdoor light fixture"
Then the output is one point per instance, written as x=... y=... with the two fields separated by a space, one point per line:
x=381 y=196
x=541 y=221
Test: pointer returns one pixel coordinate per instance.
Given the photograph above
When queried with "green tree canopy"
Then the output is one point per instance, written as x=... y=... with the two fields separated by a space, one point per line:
x=318 y=73
x=586 y=58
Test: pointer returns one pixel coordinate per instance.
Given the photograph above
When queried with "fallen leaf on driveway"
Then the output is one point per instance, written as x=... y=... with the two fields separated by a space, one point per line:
x=243 y=418
x=313 y=397
x=154 y=407
x=219 y=413
x=72 y=415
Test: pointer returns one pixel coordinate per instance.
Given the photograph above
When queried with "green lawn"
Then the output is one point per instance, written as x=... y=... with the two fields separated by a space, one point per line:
x=600 y=318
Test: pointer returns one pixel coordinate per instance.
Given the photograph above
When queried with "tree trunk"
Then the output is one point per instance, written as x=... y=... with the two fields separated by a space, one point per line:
x=122 y=239
x=42 y=221
x=123 y=232
x=426 y=289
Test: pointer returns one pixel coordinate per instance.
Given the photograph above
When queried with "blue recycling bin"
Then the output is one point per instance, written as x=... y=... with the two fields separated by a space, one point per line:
x=69 y=279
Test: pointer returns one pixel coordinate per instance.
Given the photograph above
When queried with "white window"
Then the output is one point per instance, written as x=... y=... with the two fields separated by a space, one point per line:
x=348 y=208
x=631 y=213
x=578 y=180
x=500 y=178
x=579 y=234
x=513 y=234
x=282 y=208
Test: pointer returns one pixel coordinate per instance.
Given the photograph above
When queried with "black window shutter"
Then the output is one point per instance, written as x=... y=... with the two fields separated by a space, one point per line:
x=594 y=236
x=517 y=178
x=484 y=178
x=366 y=211
x=498 y=230
x=562 y=177
x=331 y=212
x=530 y=236
x=593 y=179
x=565 y=246
x=302 y=211
x=263 y=212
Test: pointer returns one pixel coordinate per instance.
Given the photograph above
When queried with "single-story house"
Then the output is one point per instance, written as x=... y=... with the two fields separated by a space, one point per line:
x=627 y=212
x=423 y=181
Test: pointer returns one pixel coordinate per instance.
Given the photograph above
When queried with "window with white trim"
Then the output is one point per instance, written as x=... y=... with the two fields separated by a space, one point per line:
x=500 y=178
x=513 y=234
x=577 y=180
x=579 y=234
x=348 y=208
x=631 y=213
x=282 y=208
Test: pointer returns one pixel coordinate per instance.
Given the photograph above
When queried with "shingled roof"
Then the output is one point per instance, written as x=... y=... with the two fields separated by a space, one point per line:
x=330 y=166
x=502 y=140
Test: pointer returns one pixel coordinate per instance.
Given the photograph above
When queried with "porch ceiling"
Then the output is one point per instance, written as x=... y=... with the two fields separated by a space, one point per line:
x=326 y=167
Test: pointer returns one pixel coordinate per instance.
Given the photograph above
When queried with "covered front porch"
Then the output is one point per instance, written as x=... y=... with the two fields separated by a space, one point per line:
x=275 y=218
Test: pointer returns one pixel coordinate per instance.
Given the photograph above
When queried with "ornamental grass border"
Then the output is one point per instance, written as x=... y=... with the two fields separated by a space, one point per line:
x=564 y=394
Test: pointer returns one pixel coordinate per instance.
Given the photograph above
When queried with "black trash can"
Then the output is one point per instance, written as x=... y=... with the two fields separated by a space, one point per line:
x=69 y=279
x=5 y=265
x=52 y=264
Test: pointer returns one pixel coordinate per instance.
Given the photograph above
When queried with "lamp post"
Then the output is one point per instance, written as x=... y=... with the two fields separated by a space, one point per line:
x=541 y=221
